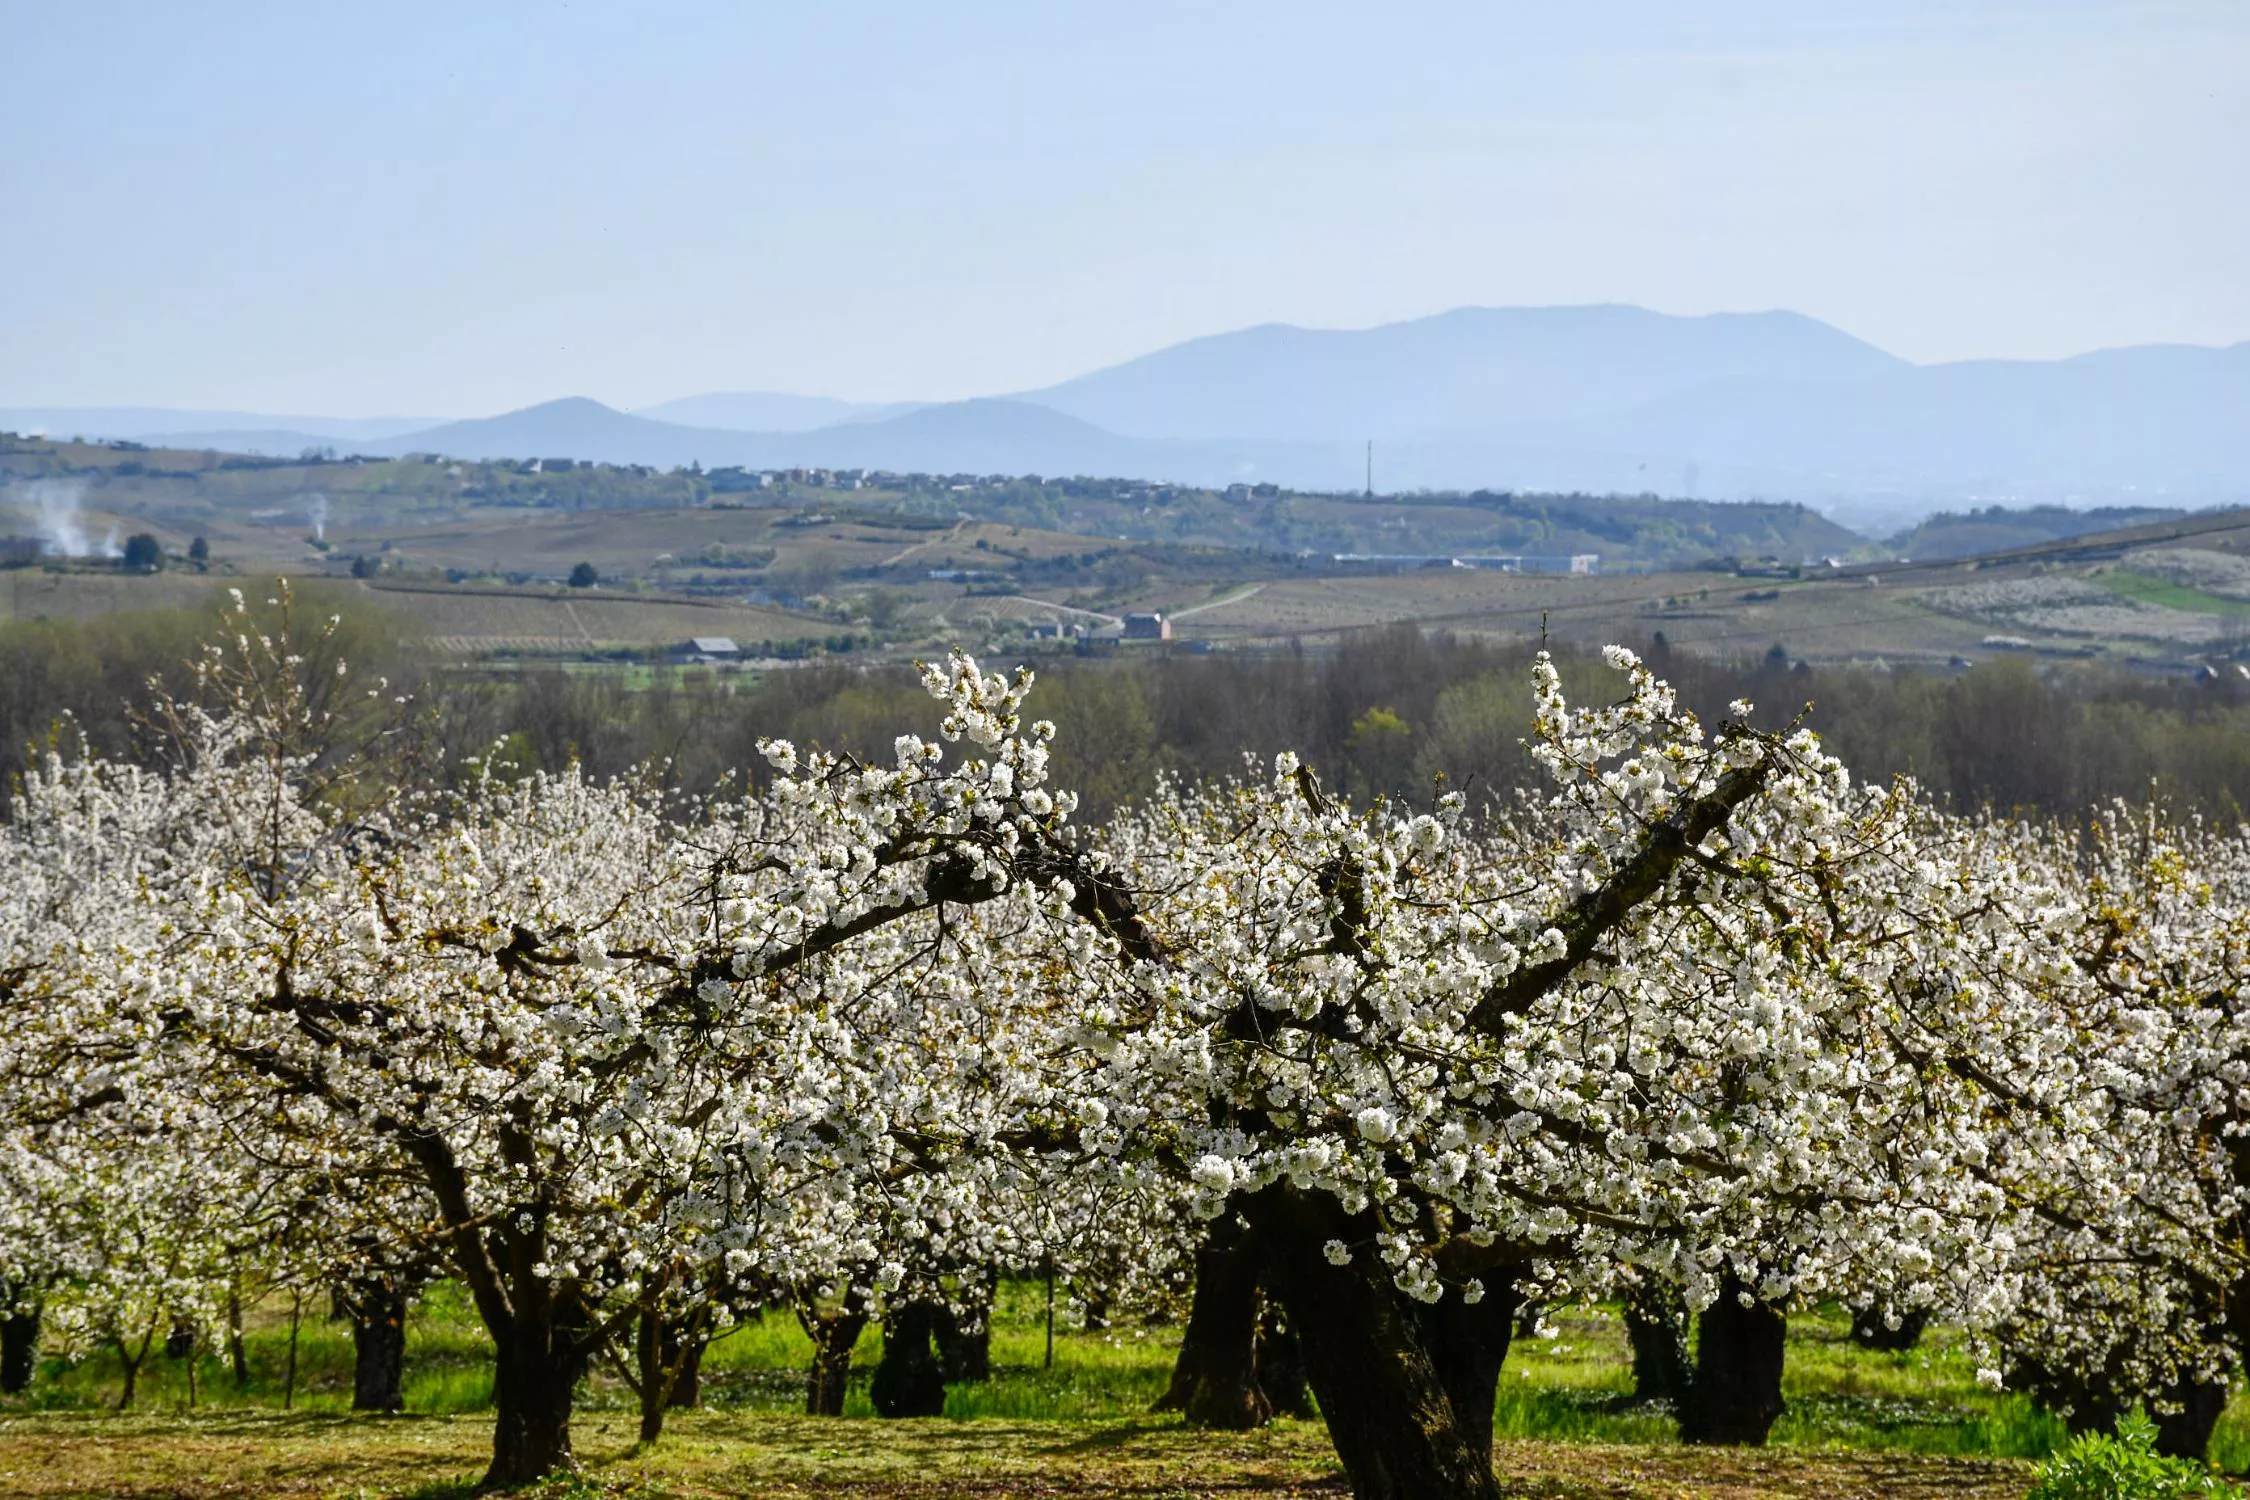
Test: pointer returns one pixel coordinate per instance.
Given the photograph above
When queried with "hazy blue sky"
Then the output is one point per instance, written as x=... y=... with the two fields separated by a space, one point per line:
x=457 y=208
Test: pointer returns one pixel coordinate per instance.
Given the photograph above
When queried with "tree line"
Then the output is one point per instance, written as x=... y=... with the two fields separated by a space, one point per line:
x=1387 y=711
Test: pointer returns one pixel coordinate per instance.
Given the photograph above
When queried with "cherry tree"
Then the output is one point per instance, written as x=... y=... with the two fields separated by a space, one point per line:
x=2118 y=1072
x=616 y=1044
x=1651 y=1023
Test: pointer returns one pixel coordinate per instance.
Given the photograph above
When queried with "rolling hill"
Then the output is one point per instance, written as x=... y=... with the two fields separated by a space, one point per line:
x=1472 y=369
x=576 y=427
x=984 y=436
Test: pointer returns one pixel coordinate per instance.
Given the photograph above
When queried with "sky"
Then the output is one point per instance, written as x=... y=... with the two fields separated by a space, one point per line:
x=449 y=210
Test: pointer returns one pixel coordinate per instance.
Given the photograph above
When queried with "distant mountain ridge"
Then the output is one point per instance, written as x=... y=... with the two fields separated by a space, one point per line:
x=141 y=424
x=1601 y=399
x=1472 y=369
x=770 y=411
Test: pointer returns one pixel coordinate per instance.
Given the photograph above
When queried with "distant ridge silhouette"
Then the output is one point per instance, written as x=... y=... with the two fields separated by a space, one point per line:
x=1770 y=405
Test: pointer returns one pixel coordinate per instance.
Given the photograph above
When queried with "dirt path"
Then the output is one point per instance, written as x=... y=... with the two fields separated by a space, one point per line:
x=921 y=546
x=1067 y=609
x=1234 y=598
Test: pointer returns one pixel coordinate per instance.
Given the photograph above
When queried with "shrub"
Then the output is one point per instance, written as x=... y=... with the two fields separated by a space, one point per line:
x=2124 y=1467
x=143 y=553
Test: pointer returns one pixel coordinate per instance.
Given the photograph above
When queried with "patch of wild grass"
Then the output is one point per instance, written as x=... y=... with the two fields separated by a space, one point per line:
x=1573 y=1385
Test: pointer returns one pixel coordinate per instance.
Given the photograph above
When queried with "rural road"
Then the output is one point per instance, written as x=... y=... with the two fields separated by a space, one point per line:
x=1234 y=598
x=1069 y=609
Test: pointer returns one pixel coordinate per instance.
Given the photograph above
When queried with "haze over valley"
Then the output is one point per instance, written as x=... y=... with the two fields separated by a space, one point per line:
x=1599 y=399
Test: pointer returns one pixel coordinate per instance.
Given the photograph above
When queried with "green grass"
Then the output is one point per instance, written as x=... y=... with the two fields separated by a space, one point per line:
x=1568 y=1395
x=1577 y=1386
x=2144 y=589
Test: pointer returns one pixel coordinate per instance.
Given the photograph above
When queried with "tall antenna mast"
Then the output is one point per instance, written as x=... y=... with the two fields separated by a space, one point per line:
x=1370 y=468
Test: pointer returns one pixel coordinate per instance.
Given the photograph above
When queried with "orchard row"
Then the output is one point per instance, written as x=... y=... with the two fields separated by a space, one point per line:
x=1708 y=1024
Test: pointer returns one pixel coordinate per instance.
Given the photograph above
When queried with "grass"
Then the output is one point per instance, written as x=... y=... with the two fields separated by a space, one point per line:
x=748 y=1454
x=2168 y=595
x=1859 y=1423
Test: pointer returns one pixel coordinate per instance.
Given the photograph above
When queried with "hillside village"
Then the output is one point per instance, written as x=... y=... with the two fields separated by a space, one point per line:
x=563 y=559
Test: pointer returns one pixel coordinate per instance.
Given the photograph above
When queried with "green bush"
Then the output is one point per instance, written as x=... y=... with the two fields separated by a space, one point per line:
x=2124 y=1467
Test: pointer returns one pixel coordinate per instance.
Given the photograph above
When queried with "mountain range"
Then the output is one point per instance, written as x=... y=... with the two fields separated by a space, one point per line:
x=1603 y=399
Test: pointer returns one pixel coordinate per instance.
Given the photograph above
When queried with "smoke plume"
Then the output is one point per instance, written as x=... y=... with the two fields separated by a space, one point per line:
x=55 y=515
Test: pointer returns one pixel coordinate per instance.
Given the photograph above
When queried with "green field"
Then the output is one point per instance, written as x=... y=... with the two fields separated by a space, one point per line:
x=2168 y=595
x=1858 y=1423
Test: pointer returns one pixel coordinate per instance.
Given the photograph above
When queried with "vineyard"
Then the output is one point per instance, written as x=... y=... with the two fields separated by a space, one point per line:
x=1321 y=1123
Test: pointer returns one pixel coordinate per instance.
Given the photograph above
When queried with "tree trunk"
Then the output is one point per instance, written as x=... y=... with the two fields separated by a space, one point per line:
x=238 y=1353
x=1735 y=1397
x=2186 y=1433
x=1656 y=1327
x=964 y=1338
x=378 y=1313
x=682 y=1349
x=2086 y=1403
x=535 y=1373
x=1469 y=1343
x=132 y=1362
x=289 y=1375
x=666 y=1374
x=909 y=1382
x=1215 y=1379
x=1386 y=1404
x=653 y=1382
x=1281 y=1364
x=1871 y=1329
x=19 y=1349
x=832 y=1335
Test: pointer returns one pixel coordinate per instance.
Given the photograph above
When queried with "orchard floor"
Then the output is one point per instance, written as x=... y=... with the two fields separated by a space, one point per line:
x=1860 y=1424
x=258 y=1453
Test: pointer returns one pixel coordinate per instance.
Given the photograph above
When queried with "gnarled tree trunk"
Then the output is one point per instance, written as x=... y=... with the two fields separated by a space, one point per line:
x=377 y=1307
x=1215 y=1379
x=1735 y=1397
x=964 y=1336
x=19 y=1348
x=535 y=1375
x=909 y=1382
x=833 y=1333
x=2186 y=1432
x=680 y=1346
x=1281 y=1364
x=1386 y=1402
x=1468 y=1342
x=1656 y=1323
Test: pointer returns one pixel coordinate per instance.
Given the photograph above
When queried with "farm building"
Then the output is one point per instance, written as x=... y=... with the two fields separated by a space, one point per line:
x=707 y=648
x=1147 y=628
